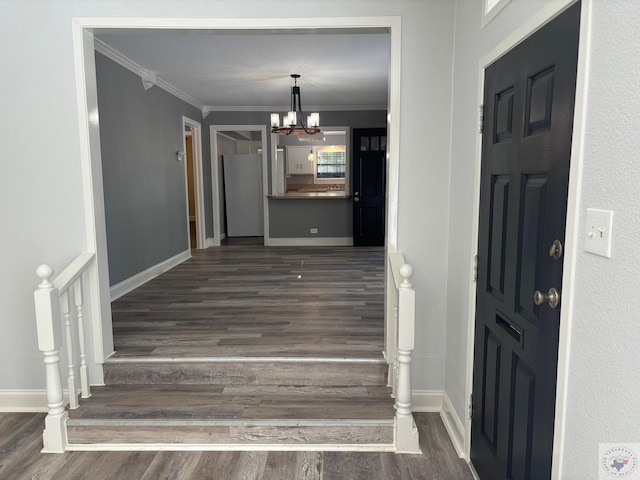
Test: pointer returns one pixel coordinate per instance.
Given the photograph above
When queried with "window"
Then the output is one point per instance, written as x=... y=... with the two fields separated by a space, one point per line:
x=491 y=9
x=489 y=5
x=331 y=163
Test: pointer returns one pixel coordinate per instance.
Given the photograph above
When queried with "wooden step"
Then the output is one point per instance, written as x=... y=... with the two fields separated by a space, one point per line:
x=233 y=416
x=245 y=371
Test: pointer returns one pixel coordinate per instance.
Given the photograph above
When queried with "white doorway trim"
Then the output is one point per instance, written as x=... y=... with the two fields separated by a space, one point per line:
x=216 y=194
x=196 y=130
x=571 y=235
x=89 y=132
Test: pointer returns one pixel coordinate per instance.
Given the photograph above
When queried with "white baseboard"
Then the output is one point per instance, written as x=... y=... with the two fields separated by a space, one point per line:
x=26 y=400
x=150 y=273
x=426 y=401
x=210 y=242
x=311 y=242
x=454 y=426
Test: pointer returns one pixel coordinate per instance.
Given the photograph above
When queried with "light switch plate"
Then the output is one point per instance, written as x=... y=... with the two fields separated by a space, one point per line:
x=598 y=232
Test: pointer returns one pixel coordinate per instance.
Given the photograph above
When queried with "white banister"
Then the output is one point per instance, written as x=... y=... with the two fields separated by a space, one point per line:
x=57 y=303
x=404 y=312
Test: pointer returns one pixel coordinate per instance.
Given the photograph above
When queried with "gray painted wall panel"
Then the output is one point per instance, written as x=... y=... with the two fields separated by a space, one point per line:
x=144 y=186
x=293 y=218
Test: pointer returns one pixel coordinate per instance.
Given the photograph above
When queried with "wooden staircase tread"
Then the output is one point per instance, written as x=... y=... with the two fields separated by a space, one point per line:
x=252 y=371
x=315 y=350
x=346 y=361
x=249 y=422
x=215 y=402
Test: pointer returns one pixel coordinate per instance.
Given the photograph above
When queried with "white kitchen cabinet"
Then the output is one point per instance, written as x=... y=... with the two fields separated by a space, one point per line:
x=297 y=163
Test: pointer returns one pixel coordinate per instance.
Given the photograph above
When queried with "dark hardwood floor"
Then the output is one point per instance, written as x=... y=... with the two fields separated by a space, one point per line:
x=21 y=441
x=253 y=301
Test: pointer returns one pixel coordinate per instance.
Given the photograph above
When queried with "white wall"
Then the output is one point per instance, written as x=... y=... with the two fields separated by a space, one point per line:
x=41 y=222
x=604 y=382
x=47 y=225
x=602 y=392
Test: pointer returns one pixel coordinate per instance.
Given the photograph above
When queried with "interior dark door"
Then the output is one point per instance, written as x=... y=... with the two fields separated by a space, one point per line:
x=529 y=99
x=369 y=185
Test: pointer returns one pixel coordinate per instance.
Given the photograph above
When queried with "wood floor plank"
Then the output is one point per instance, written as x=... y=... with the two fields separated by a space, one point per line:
x=172 y=465
x=280 y=465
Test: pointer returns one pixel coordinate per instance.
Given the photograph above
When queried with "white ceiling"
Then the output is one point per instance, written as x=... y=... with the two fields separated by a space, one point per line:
x=241 y=68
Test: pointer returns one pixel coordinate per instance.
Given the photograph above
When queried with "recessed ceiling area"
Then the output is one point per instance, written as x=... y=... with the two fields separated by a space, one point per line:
x=251 y=68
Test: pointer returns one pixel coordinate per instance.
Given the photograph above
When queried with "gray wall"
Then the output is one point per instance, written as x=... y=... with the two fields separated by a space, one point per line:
x=293 y=218
x=144 y=186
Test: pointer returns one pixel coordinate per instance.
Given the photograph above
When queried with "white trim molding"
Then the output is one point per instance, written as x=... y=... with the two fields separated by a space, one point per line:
x=426 y=401
x=198 y=181
x=284 y=108
x=216 y=192
x=145 y=74
x=131 y=283
x=19 y=401
x=454 y=426
x=311 y=242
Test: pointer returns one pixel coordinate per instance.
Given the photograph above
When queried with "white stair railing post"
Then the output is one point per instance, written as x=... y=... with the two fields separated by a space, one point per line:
x=47 y=303
x=84 y=372
x=406 y=429
x=71 y=374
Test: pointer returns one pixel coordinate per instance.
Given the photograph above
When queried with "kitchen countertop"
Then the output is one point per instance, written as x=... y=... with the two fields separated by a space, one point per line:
x=311 y=195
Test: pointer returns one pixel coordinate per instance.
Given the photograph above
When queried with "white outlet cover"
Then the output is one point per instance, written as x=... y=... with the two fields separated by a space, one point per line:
x=598 y=232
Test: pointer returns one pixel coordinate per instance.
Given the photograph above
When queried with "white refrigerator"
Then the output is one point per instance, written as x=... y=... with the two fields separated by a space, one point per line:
x=243 y=195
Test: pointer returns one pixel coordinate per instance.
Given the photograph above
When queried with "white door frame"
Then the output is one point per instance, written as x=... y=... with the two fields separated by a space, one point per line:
x=198 y=180
x=216 y=198
x=572 y=236
x=89 y=132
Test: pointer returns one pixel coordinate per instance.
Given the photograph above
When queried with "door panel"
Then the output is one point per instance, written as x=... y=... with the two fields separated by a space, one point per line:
x=529 y=97
x=499 y=210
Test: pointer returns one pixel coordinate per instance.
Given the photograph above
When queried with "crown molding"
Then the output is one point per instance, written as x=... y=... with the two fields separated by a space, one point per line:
x=145 y=74
x=285 y=108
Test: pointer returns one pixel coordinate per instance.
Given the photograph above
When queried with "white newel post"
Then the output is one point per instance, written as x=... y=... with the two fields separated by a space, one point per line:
x=47 y=303
x=406 y=429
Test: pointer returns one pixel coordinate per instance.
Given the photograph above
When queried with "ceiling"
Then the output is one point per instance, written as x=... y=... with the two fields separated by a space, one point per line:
x=242 y=69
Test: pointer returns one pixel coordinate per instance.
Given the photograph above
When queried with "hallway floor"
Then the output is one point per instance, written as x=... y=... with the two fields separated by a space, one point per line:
x=255 y=301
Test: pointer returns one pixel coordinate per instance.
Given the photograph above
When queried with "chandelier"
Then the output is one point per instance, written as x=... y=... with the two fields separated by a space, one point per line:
x=293 y=123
